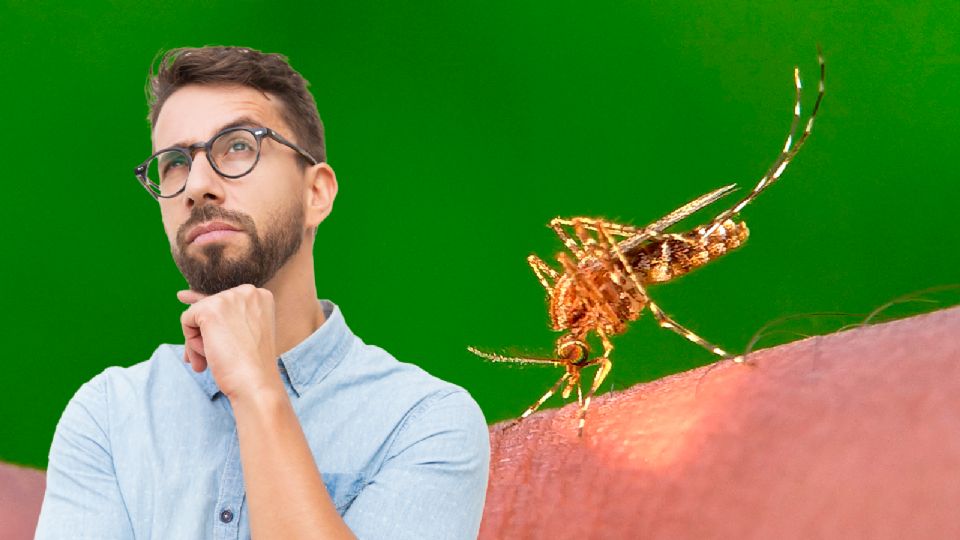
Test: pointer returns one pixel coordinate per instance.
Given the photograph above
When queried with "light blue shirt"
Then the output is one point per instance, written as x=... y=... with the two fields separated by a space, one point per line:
x=151 y=451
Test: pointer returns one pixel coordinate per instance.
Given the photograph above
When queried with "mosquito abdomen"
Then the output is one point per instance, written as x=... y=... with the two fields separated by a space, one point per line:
x=673 y=255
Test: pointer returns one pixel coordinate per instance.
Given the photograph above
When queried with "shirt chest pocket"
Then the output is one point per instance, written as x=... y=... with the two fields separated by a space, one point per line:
x=343 y=488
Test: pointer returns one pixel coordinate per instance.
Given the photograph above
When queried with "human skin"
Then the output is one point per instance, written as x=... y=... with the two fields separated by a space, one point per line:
x=21 y=494
x=239 y=333
x=852 y=435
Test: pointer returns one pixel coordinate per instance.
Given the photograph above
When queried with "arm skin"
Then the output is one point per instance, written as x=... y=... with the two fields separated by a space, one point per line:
x=851 y=435
x=287 y=496
x=232 y=332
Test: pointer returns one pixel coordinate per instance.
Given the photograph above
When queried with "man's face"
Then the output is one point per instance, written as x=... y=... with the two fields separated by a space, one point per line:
x=265 y=208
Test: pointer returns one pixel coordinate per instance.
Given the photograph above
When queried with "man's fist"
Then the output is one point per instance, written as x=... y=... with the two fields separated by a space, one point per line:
x=233 y=333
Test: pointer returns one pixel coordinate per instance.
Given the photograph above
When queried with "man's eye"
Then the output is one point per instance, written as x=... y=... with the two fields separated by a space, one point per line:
x=239 y=146
x=174 y=163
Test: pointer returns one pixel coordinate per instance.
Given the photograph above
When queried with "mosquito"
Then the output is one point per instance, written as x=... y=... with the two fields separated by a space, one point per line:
x=602 y=284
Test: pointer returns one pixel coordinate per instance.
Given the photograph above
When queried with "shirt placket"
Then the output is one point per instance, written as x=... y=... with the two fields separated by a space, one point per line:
x=230 y=499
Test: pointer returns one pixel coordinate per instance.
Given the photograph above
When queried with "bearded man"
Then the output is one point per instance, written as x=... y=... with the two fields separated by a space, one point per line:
x=273 y=420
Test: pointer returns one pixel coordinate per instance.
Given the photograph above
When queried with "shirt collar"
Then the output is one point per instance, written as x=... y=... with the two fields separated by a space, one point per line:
x=309 y=362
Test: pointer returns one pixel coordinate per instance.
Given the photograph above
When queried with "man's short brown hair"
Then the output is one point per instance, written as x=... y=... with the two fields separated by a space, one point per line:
x=267 y=72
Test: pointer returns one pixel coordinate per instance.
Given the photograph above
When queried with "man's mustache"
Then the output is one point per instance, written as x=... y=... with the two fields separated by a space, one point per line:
x=205 y=213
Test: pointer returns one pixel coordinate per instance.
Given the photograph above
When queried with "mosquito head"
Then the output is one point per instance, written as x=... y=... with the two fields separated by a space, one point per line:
x=572 y=350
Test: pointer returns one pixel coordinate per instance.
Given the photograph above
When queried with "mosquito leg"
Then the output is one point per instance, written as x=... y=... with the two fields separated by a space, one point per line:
x=601 y=374
x=586 y=240
x=566 y=238
x=775 y=170
x=594 y=225
x=787 y=154
x=606 y=242
x=626 y=265
x=542 y=270
x=572 y=382
x=666 y=322
x=530 y=410
x=589 y=243
x=580 y=224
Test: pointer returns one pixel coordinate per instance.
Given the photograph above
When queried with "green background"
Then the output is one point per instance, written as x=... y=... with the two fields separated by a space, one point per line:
x=457 y=130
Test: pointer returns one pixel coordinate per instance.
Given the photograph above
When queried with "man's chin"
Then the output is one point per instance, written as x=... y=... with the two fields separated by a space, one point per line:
x=210 y=276
x=210 y=289
x=217 y=280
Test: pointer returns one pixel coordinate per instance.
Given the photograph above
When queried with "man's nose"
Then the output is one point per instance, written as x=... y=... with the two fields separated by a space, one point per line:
x=204 y=184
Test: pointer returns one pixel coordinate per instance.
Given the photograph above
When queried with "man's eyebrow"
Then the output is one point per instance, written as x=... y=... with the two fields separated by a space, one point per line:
x=243 y=121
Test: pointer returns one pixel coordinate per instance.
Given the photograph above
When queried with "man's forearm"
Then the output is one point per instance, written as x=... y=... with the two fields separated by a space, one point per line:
x=286 y=492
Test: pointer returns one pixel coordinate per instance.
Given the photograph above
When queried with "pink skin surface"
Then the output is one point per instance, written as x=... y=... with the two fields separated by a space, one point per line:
x=850 y=435
x=21 y=492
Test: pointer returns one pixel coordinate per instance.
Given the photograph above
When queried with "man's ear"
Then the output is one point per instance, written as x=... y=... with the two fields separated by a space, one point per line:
x=321 y=190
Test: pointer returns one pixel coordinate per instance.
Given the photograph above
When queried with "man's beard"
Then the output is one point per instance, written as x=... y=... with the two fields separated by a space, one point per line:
x=211 y=271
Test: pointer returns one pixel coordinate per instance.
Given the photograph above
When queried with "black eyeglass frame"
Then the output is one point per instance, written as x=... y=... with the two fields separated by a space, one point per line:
x=189 y=151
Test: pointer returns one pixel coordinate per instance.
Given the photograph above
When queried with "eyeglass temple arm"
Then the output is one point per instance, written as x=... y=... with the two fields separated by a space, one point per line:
x=281 y=140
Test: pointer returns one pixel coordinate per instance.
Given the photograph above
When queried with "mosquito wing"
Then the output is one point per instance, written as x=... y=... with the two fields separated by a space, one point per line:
x=675 y=217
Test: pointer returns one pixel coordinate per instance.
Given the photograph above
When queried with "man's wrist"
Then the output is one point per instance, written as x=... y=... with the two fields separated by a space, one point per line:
x=267 y=399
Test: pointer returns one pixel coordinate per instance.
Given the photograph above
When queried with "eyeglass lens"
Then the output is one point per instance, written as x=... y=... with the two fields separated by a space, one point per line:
x=234 y=153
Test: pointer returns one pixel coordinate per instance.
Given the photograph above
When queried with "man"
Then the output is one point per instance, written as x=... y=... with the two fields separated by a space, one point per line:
x=274 y=420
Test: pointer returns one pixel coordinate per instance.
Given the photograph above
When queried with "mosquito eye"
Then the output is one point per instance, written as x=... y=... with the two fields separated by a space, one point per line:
x=573 y=351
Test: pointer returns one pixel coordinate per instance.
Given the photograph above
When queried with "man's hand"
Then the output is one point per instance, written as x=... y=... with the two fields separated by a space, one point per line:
x=232 y=332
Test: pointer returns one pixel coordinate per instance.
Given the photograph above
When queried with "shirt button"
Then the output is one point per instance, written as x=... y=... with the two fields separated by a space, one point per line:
x=226 y=516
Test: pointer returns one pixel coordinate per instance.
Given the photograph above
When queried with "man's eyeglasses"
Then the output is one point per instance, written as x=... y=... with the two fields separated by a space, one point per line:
x=232 y=153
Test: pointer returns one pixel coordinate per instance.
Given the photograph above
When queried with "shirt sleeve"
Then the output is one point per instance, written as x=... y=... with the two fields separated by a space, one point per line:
x=434 y=479
x=82 y=498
